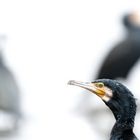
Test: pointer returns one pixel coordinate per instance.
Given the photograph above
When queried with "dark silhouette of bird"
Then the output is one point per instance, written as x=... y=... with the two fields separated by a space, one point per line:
x=120 y=101
x=123 y=56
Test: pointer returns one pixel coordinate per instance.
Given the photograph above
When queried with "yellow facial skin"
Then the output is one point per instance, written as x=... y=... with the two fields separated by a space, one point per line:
x=97 y=88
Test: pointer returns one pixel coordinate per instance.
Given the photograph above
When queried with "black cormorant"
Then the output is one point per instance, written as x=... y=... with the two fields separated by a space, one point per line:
x=120 y=101
x=118 y=63
x=125 y=54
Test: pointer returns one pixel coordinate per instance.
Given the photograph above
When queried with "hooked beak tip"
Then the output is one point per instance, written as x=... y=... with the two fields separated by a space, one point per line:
x=70 y=82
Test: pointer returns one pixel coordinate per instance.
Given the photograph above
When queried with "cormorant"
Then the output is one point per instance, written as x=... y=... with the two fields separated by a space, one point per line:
x=120 y=101
x=125 y=54
x=118 y=63
x=9 y=98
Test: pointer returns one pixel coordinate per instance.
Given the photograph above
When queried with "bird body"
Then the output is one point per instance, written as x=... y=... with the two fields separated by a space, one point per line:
x=9 y=92
x=124 y=55
x=9 y=99
x=120 y=60
x=120 y=101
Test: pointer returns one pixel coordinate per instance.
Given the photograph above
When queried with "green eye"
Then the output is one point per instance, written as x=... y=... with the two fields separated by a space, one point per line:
x=99 y=85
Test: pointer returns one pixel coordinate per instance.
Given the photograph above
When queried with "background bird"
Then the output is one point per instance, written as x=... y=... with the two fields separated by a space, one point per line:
x=123 y=56
x=9 y=97
x=120 y=101
x=10 y=104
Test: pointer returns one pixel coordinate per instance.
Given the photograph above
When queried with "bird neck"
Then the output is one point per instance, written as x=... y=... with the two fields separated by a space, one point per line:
x=124 y=135
x=123 y=126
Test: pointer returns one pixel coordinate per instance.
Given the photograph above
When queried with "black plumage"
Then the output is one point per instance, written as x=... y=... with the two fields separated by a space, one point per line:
x=125 y=54
x=120 y=101
x=123 y=106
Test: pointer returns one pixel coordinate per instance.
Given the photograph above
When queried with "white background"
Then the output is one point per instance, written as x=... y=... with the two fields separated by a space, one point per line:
x=53 y=41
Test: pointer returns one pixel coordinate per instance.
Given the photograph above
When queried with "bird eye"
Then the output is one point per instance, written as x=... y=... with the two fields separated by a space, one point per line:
x=99 y=85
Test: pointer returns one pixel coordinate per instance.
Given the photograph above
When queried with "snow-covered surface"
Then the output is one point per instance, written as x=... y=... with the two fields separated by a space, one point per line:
x=49 y=43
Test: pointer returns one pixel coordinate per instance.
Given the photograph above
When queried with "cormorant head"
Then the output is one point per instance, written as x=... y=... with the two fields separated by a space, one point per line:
x=132 y=21
x=115 y=95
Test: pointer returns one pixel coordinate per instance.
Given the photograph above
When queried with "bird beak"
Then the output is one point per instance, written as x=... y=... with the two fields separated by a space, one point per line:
x=89 y=86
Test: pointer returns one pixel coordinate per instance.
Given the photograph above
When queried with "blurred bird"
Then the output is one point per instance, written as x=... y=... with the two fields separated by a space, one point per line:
x=9 y=96
x=121 y=59
x=10 y=109
x=120 y=101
